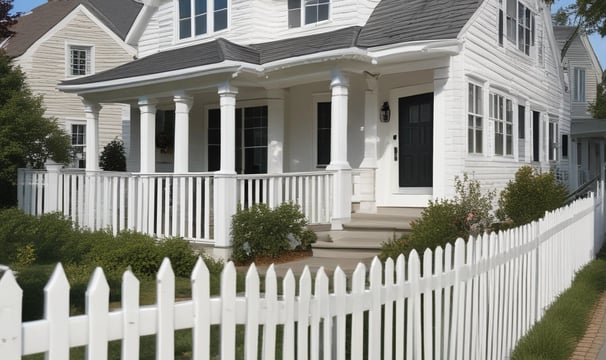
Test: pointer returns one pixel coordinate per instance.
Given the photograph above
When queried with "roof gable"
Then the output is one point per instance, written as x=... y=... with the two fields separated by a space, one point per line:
x=117 y=15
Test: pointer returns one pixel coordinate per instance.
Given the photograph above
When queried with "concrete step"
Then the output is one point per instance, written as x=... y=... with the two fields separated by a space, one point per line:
x=379 y=222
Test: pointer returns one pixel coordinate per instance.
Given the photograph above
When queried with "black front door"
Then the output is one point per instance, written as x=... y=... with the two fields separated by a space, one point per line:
x=416 y=140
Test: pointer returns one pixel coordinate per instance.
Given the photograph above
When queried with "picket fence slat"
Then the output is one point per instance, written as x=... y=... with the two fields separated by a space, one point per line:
x=471 y=301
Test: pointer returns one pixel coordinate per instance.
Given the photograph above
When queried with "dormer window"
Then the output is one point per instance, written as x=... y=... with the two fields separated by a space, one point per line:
x=199 y=17
x=313 y=12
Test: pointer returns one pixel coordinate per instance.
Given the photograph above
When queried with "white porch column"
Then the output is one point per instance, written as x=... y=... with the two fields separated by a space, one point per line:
x=275 y=131
x=91 y=111
x=183 y=105
x=225 y=179
x=440 y=138
x=338 y=151
x=371 y=115
x=52 y=201
x=147 y=108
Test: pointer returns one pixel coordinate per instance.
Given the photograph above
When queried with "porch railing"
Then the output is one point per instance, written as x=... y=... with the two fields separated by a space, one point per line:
x=312 y=191
x=164 y=204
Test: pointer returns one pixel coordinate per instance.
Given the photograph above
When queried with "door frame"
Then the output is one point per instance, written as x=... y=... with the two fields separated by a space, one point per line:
x=405 y=196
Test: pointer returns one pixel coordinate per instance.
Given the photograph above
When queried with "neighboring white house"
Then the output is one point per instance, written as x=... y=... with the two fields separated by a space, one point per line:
x=584 y=73
x=391 y=99
x=68 y=39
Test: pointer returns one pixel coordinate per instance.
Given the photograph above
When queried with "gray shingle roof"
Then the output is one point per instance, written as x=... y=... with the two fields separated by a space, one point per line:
x=118 y=15
x=395 y=21
x=563 y=33
x=392 y=21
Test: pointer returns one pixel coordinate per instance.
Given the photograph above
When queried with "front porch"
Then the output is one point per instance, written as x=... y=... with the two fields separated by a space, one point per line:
x=168 y=204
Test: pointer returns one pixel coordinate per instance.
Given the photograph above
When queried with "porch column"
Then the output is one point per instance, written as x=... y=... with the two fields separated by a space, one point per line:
x=91 y=111
x=275 y=131
x=225 y=200
x=371 y=114
x=440 y=138
x=147 y=108
x=183 y=105
x=338 y=151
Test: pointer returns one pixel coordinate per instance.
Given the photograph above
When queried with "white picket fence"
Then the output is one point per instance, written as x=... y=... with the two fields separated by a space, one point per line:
x=473 y=300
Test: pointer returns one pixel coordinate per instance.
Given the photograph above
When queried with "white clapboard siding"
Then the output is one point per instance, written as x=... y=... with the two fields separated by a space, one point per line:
x=473 y=300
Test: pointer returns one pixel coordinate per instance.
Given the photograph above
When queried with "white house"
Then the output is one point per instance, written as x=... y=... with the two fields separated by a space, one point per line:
x=68 y=39
x=584 y=73
x=327 y=103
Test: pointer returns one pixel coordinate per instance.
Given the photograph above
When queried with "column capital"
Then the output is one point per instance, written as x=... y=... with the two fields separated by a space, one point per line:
x=184 y=100
x=226 y=88
x=145 y=101
x=371 y=81
x=91 y=106
x=338 y=78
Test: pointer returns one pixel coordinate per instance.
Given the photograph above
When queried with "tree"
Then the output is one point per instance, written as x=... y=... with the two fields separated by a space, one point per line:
x=6 y=20
x=27 y=138
x=598 y=107
x=113 y=157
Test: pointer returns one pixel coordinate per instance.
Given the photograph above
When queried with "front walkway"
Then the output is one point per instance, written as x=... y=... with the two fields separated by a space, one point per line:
x=593 y=344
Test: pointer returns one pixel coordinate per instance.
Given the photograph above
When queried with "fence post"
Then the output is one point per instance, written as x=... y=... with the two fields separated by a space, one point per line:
x=10 y=317
x=52 y=190
x=225 y=205
x=341 y=213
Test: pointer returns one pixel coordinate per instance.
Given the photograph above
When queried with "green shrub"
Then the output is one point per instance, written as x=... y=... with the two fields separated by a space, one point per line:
x=182 y=257
x=113 y=156
x=443 y=221
x=262 y=232
x=529 y=196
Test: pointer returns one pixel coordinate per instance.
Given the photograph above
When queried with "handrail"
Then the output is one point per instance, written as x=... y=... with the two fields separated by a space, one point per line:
x=583 y=189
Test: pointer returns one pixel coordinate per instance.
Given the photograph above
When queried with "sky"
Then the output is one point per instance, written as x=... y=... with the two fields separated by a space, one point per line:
x=598 y=43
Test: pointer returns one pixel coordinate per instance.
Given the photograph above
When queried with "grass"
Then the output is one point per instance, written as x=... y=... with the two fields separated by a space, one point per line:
x=564 y=323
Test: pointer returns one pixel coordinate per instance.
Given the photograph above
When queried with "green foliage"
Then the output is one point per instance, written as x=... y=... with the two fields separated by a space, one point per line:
x=529 y=196
x=31 y=280
x=26 y=254
x=262 y=232
x=113 y=156
x=443 y=221
x=27 y=138
x=598 y=107
x=564 y=323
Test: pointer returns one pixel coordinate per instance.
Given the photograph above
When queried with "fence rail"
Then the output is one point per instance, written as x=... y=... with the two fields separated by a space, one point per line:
x=473 y=300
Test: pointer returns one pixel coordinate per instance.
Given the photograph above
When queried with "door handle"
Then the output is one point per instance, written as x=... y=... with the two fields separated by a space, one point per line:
x=395 y=153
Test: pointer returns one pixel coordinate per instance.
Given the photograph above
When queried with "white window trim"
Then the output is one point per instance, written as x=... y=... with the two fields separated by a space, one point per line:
x=491 y=120
x=210 y=22
x=302 y=23
x=68 y=68
x=68 y=129
x=579 y=89
x=532 y=52
x=482 y=114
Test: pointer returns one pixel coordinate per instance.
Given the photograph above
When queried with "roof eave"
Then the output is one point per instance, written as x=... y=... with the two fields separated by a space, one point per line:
x=449 y=47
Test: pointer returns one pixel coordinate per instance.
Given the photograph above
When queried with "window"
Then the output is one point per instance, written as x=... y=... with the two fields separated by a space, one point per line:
x=500 y=27
x=553 y=138
x=520 y=26
x=313 y=12
x=501 y=113
x=579 y=85
x=251 y=140
x=198 y=17
x=80 y=60
x=323 y=135
x=564 y=146
x=521 y=122
x=79 y=145
x=474 y=125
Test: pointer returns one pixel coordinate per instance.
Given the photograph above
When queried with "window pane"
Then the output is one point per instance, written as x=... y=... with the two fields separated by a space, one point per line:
x=294 y=18
x=521 y=121
x=201 y=24
x=323 y=12
x=200 y=7
x=478 y=100
x=220 y=20
x=323 y=135
x=184 y=28
x=311 y=15
x=184 y=9
x=479 y=141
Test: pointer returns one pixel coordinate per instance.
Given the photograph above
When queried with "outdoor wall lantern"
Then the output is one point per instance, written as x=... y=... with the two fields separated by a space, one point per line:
x=385 y=112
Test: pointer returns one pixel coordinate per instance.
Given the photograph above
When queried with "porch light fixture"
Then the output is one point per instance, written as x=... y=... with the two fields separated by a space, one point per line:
x=385 y=112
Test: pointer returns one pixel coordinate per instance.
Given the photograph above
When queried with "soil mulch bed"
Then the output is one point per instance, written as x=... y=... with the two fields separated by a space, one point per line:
x=286 y=257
